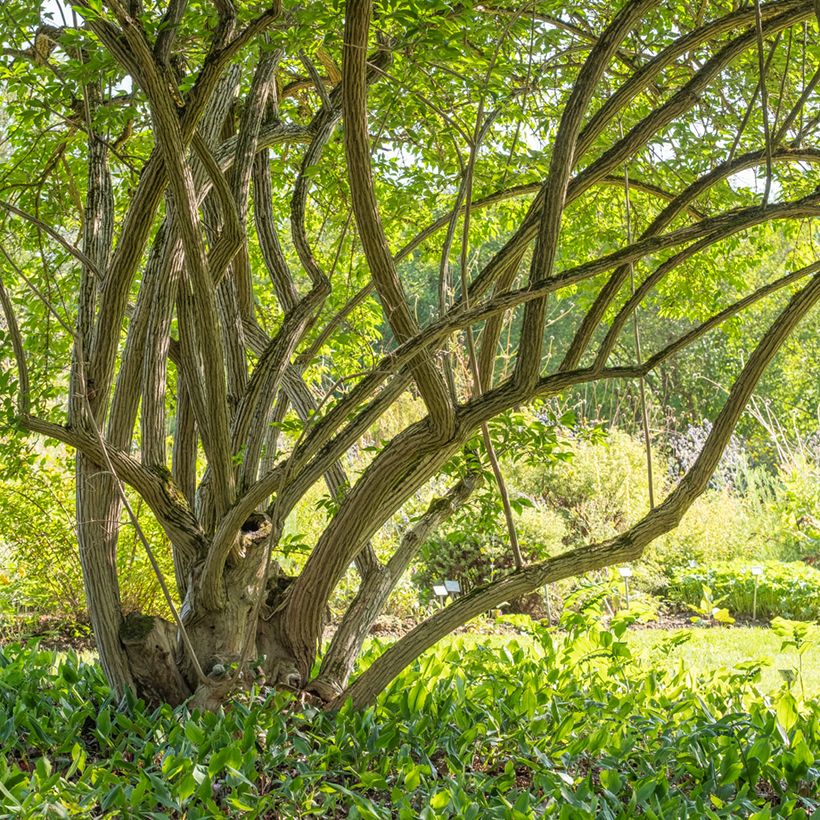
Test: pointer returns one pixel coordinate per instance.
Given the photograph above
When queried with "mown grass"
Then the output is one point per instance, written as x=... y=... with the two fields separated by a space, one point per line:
x=701 y=652
x=708 y=650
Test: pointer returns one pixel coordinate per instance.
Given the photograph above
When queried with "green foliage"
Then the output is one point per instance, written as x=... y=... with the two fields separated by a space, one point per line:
x=565 y=724
x=709 y=609
x=470 y=59
x=40 y=565
x=759 y=513
x=602 y=490
x=795 y=502
x=39 y=561
x=719 y=525
x=606 y=589
x=599 y=492
x=474 y=544
x=705 y=650
x=789 y=590
x=799 y=636
x=589 y=486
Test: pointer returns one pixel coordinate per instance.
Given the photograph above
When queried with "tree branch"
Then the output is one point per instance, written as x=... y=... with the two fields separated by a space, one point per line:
x=528 y=361
x=365 y=208
x=23 y=384
x=625 y=547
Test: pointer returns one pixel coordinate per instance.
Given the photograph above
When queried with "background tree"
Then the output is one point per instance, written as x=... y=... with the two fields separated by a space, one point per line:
x=224 y=274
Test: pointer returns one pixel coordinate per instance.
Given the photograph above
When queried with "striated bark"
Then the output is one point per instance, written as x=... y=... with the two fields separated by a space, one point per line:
x=180 y=287
x=338 y=661
x=150 y=646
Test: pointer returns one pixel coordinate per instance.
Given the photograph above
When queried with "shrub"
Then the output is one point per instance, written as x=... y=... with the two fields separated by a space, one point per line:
x=788 y=590
x=793 y=519
x=474 y=544
x=751 y=514
x=718 y=526
x=474 y=555
x=38 y=545
x=471 y=559
x=599 y=492
x=39 y=561
x=603 y=489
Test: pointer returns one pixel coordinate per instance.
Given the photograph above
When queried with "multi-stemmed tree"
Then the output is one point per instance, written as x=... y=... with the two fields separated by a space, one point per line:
x=213 y=214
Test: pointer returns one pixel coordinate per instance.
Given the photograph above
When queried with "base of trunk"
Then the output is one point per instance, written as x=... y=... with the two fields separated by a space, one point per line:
x=163 y=673
x=151 y=648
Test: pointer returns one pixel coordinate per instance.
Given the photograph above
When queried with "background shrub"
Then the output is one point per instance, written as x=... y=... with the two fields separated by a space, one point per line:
x=789 y=590
x=569 y=484
x=39 y=561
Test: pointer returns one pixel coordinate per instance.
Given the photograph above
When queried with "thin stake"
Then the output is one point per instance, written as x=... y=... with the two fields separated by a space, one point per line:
x=647 y=440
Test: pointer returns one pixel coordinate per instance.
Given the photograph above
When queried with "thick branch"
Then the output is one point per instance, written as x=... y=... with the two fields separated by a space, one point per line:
x=357 y=150
x=156 y=488
x=338 y=661
x=528 y=361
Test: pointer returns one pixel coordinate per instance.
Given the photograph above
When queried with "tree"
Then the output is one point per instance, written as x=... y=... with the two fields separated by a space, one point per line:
x=205 y=131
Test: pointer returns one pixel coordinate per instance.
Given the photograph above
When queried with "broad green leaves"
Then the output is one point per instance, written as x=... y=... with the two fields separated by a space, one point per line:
x=486 y=726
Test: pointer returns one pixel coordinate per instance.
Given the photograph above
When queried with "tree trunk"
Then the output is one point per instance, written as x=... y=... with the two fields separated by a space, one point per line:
x=151 y=649
x=98 y=520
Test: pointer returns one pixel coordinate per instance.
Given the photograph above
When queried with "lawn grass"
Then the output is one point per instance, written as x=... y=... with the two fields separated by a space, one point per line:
x=709 y=650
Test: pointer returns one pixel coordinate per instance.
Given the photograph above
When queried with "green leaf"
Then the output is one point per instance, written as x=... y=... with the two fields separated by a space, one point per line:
x=787 y=714
x=439 y=800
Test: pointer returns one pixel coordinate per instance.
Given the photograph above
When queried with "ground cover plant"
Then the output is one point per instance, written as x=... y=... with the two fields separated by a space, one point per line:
x=309 y=305
x=566 y=723
x=786 y=589
x=216 y=217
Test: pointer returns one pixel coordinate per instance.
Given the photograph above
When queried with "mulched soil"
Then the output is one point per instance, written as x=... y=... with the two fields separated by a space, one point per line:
x=56 y=634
